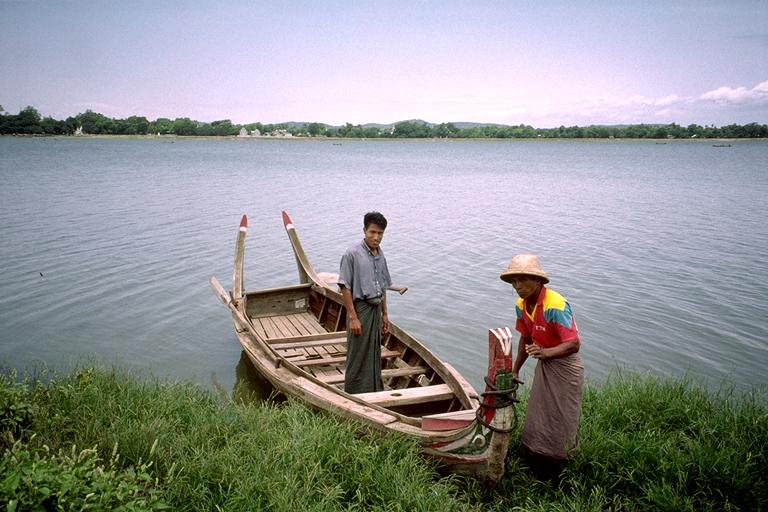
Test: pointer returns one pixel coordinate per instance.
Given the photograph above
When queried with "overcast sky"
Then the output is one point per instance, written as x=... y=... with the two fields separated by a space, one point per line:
x=543 y=63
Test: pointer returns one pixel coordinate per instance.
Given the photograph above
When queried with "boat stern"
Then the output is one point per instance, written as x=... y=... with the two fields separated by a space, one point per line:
x=480 y=450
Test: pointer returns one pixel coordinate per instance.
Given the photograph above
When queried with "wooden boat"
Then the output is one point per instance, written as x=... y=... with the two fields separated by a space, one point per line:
x=295 y=337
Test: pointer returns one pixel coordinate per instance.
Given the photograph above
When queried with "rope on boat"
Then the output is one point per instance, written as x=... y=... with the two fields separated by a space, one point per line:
x=504 y=398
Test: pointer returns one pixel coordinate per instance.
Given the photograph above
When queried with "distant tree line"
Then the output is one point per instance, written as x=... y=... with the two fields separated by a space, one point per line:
x=29 y=122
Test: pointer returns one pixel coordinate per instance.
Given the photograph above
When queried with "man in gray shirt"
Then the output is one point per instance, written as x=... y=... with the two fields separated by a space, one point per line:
x=364 y=279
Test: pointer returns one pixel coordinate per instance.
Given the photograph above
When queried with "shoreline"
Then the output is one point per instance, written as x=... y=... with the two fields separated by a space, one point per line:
x=172 y=137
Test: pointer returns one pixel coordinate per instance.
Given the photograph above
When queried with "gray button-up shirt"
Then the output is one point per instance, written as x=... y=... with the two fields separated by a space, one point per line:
x=366 y=275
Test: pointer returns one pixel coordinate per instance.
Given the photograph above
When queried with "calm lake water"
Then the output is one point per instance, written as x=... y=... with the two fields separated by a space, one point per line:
x=660 y=248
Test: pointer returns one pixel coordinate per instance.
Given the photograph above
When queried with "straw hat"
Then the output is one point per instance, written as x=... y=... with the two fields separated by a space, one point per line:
x=524 y=264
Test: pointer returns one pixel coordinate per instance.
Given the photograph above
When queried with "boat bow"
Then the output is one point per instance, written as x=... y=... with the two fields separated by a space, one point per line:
x=307 y=272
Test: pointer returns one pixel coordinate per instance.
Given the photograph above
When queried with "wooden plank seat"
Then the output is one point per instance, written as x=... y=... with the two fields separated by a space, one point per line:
x=310 y=340
x=321 y=361
x=407 y=396
x=387 y=373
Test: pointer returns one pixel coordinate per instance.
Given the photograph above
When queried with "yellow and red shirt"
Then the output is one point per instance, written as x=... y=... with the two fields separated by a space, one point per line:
x=551 y=322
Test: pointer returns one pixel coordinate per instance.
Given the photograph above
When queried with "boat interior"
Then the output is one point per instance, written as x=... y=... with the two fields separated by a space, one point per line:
x=307 y=328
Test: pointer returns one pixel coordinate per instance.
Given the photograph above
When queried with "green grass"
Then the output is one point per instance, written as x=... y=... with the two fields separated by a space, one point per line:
x=650 y=443
x=646 y=444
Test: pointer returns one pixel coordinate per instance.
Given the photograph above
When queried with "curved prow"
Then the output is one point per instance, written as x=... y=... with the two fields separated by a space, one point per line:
x=497 y=410
x=237 y=274
x=482 y=449
x=306 y=270
x=501 y=385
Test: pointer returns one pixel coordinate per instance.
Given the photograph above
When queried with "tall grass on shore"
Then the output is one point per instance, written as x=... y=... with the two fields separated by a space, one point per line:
x=655 y=443
x=646 y=444
x=212 y=454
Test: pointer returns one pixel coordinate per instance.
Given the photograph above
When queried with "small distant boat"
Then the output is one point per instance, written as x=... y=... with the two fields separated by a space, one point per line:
x=295 y=337
x=721 y=145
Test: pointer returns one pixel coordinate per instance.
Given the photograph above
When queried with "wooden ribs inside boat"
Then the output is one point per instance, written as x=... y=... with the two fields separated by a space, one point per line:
x=305 y=327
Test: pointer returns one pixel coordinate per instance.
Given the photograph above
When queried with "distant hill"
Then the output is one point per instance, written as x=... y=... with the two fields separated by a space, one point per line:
x=462 y=125
x=382 y=126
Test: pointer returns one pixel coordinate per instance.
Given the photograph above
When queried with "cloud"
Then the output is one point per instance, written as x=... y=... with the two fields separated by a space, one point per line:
x=667 y=100
x=721 y=105
x=758 y=94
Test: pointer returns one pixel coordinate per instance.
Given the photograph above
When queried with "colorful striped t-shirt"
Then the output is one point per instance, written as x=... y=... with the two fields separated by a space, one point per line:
x=551 y=323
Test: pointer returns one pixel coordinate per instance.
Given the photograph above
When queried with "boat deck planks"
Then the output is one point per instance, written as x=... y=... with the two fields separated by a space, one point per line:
x=268 y=326
x=308 y=322
x=287 y=325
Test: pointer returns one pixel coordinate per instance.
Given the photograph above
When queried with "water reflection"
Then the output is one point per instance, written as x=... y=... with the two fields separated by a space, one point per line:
x=250 y=386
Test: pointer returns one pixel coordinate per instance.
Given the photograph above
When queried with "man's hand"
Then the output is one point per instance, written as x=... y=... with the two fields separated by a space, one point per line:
x=384 y=323
x=536 y=351
x=355 y=327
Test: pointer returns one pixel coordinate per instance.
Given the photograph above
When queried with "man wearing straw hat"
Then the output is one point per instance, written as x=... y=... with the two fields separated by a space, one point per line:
x=364 y=279
x=549 y=334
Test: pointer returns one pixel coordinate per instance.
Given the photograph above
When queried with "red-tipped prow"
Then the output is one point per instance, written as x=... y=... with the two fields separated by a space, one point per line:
x=244 y=222
x=286 y=219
